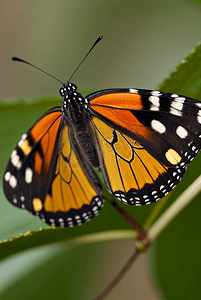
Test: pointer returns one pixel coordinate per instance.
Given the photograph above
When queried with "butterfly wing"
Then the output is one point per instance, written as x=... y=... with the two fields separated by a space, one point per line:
x=46 y=175
x=144 y=140
x=75 y=193
x=29 y=170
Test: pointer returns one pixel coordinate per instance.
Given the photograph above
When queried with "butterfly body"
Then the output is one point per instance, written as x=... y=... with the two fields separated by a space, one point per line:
x=140 y=140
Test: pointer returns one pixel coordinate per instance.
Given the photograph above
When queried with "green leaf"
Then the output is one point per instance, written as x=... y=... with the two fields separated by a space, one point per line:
x=64 y=272
x=196 y=1
x=186 y=79
x=175 y=255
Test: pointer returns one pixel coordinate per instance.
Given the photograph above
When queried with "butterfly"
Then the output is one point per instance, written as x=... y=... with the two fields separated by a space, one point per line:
x=140 y=140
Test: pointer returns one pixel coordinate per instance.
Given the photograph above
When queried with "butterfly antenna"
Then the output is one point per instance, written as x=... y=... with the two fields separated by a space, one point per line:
x=96 y=42
x=26 y=62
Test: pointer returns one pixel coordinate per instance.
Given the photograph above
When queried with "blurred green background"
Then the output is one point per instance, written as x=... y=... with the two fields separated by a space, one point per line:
x=143 y=43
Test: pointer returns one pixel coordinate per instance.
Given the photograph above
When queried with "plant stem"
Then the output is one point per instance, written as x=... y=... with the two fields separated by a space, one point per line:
x=118 y=278
x=136 y=226
x=184 y=199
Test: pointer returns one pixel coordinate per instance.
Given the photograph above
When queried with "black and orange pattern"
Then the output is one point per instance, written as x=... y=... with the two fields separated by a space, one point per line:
x=47 y=176
x=140 y=140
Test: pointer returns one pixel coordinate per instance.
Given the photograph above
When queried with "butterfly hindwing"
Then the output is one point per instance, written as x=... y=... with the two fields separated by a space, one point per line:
x=130 y=172
x=46 y=175
x=146 y=139
x=75 y=193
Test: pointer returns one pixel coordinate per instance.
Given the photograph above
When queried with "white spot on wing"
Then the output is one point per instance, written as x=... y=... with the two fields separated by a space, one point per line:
x=181 y=132
x=133 y=91
x=23 y=138
x=176 y=108
x=15 y=160
x=14 y=152
x=177 y=105
x=13 y=181
x=199 y=117
x=156 y=93
x=28 y=175
x=158 y=126
x=155 y=103
x=19 y=165
x=154 y=108
x=180 y=99
x=7 y=176
x=154 y=100
x=22 y=198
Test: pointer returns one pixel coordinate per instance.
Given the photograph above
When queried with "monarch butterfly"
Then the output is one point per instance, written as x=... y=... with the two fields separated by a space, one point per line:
x=140 y=140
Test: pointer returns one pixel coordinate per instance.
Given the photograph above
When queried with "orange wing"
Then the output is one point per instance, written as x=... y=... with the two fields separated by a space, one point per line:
x=129 y=171
x=74 y=197
x=47 y=176
x=144 y=140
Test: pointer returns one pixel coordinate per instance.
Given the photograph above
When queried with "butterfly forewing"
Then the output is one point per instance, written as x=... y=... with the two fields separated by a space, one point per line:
x=31 y=165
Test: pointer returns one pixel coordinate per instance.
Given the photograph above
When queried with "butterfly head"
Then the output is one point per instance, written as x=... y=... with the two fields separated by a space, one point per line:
x=67 y=89
x=70 y=95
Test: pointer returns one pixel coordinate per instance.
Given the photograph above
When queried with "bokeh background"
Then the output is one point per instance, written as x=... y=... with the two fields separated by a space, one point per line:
x=143 y=43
